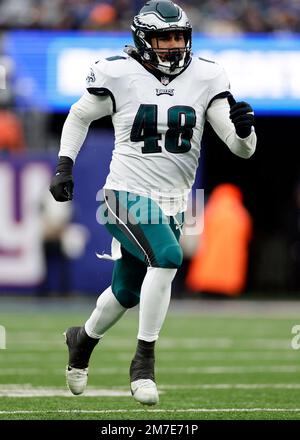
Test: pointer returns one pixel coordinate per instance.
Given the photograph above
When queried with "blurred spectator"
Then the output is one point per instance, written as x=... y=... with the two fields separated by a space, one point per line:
x=11 y=127
x=221 y=260
x=208 y=16
x=62 y=241
x=11 y=132
x=55 y=219
x=102 y=15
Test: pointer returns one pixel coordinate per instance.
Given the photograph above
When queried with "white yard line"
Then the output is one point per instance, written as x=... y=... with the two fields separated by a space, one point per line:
x=174 y=411
x=214 y=369
x=27 y=390
x=58 y=392
x=165 y=343
x=227 y=386
x=125 y=356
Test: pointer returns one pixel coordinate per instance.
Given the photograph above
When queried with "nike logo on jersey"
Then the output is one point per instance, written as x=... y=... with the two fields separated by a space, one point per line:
x=165 y=92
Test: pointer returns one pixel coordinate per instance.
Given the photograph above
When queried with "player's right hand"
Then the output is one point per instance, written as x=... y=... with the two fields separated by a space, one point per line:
x=62 y=184
x=242 y=116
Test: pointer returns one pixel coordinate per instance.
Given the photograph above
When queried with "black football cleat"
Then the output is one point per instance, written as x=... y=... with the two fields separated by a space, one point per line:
x=142 y=381
x=80 y=347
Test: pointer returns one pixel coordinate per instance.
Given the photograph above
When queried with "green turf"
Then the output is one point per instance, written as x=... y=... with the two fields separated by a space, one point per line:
x=203 y=362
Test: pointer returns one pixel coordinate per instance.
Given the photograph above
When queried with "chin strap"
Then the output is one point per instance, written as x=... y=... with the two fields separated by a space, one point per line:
x=133 y=53
x=175 y=63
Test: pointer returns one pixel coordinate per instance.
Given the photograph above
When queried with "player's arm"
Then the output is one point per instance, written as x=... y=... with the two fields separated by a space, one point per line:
x=87 y=109
x=234 y=124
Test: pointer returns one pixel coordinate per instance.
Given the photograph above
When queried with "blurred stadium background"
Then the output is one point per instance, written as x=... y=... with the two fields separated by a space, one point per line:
x=46 y=250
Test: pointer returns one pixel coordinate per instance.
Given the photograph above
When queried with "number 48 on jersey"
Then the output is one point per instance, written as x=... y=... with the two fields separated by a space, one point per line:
x=181 y=121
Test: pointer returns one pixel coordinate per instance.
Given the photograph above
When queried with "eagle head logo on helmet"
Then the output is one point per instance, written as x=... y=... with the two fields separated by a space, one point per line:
x=154 y=19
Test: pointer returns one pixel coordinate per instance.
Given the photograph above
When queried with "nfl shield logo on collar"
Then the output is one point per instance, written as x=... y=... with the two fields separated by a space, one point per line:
x=165 y=80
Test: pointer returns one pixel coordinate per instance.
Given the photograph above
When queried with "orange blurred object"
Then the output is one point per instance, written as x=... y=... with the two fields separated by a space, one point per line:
x=221 y=260
x=11 y=132
x=103 y=14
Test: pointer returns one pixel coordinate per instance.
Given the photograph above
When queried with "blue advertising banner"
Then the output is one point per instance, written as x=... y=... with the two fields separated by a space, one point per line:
x=30 y=217
x=51 y=67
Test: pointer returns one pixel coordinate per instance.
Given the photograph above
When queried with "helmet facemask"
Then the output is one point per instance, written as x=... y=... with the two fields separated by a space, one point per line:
x=170 y=61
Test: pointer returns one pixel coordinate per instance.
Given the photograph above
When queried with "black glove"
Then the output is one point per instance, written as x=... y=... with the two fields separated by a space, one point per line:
x=61 y=186
x=241 y=114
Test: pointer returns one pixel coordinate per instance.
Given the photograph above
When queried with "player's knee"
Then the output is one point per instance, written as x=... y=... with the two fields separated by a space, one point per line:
x=170 y=257
x=126 y=298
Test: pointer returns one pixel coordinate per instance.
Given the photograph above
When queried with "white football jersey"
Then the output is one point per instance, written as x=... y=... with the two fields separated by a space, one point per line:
x=158 y=125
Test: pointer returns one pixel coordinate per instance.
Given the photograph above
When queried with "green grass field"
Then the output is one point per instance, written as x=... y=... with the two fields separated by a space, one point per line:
x=237 y=365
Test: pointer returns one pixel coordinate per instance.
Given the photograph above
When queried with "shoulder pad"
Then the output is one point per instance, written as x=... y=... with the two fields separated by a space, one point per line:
x=98 y=74
x=98 y=81
x=206 y=69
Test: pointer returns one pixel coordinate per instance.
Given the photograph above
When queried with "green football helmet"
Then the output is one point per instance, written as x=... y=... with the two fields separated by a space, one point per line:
x=155 y=18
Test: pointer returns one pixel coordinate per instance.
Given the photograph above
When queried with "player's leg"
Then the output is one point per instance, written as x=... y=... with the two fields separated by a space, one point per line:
x=124 y=293
x=154 y=240
x=154 y=304
x=111 y=305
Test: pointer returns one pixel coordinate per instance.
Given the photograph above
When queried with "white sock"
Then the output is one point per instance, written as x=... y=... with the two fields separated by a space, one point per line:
x=107 y=312
x=154 y=302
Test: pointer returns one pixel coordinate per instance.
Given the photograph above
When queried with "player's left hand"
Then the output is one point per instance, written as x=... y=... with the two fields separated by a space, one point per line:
x=62 y=184
x=242 y=116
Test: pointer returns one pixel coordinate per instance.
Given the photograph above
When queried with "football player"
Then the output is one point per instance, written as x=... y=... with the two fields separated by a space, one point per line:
x=159 y=97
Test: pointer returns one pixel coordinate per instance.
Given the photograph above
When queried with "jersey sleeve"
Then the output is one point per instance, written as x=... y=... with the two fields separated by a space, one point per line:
x=87 y=109
x=96 y=102
x=98 y=82
x=219 y=86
